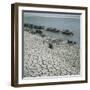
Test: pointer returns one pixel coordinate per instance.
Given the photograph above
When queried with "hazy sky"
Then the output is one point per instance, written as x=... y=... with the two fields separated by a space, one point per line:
x=50 y=15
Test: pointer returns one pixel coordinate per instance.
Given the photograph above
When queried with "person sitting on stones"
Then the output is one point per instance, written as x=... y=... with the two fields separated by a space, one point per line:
x=50 y=46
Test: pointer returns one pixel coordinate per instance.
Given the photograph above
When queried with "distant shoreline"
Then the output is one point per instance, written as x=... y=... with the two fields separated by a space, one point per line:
x=67 y=34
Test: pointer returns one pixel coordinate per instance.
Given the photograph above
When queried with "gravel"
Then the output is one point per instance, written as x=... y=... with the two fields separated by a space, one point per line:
x=39 y=60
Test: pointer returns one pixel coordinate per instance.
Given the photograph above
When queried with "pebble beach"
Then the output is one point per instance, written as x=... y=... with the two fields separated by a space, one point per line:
x=39 y=60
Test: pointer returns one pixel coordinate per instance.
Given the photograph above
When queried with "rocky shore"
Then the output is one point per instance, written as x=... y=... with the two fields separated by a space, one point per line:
x=40 y=60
